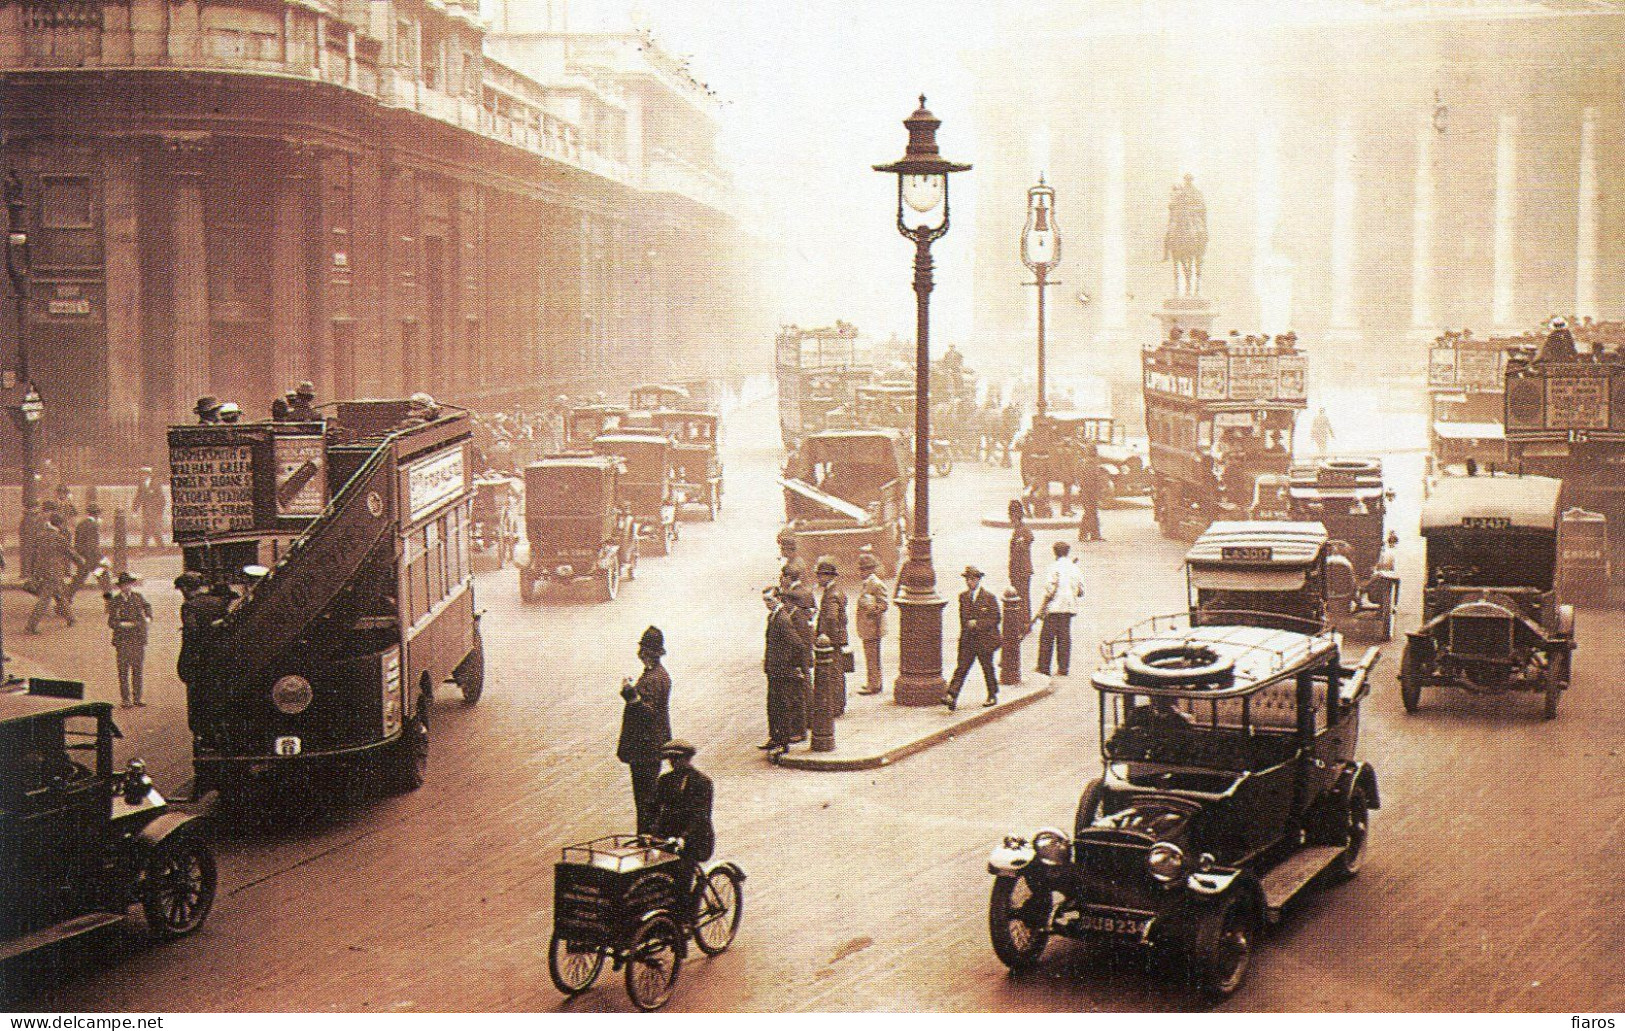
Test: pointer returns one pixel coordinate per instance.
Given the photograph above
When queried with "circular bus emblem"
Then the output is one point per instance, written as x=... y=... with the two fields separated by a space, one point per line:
x=375 y=504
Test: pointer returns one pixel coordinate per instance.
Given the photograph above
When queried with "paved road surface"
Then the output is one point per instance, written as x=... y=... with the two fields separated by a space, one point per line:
x=1492 y=881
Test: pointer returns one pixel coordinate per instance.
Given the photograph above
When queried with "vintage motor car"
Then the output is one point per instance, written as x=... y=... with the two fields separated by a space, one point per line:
x=846 y=490
x=578 y=525
x=1267 y=574
x=1348 y=498
x=1492 y=618
x=1056 y=446
x=648 y=486
x=587 y=423
x=81 y=842
x=877 y=406
x=653 y=397
x=498 y=504
x=1230 y=784
x=696 y=463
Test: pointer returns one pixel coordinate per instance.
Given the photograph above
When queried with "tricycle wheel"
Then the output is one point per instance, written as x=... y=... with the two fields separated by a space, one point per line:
x=470 y=673
x=1224 y=948
x=177 y=885
x=1018 y=921
x=1410 y=679
x=722 y=904
x=654 y=963
x=573 y=968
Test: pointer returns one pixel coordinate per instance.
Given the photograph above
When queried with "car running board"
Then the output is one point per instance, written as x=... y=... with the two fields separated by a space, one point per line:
x=1286 y=880
x=48 y=936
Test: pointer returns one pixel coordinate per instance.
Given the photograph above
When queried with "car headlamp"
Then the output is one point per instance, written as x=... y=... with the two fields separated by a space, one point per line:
x=1051 y=846
x=1166 y=862
x=291 y=694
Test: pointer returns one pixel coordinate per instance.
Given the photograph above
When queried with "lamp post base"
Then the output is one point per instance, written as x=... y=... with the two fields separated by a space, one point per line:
x=919 y=623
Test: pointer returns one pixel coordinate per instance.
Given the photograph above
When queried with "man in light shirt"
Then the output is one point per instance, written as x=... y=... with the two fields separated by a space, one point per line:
x=1063 y=592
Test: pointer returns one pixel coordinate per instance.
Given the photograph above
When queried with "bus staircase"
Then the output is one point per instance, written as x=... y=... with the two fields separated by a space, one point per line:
x=319 y=565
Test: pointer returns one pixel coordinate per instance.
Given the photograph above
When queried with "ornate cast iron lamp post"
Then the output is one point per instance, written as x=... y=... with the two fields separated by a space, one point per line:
x=1041 y=252
x=922 y=216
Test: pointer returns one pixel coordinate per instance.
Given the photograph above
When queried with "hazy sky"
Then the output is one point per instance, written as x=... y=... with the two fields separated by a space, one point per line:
x=815 y=93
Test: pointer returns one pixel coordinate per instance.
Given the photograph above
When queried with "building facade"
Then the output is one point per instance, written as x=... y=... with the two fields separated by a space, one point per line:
x=1373 y=172
x=380 y=196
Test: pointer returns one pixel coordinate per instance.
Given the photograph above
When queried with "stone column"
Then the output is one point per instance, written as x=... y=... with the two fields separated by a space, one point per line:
x=1273 y=271
x=1587 y=222
x=1345 y=196
x=290 y=277
x=189 y=276
x=1504 y=282
x=1114 y=233
x=1424 y=316
x=125 y=380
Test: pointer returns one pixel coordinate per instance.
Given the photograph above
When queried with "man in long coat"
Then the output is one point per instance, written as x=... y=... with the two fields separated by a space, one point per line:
x=978 y=638
x=831 y=624
x=784 y=662
x=873 y=601
x=646 y=726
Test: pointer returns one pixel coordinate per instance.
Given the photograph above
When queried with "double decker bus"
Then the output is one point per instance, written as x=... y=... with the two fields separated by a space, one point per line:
x=1219 y=415
x=340 y=550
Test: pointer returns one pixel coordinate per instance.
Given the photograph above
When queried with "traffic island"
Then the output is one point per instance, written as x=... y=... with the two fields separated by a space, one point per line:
x=1001 y=520
x=877 y=732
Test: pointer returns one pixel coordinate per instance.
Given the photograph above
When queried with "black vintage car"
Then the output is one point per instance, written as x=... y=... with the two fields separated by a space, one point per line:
x=1230 y=783
x=80 y=842
x=578 y=524
x=1492 y=619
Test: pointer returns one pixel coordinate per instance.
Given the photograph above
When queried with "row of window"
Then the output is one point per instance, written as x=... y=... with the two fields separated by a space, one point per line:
x=437 y=562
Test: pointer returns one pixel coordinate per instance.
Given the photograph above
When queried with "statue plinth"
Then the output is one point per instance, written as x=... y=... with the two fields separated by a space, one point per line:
x=1185 y=314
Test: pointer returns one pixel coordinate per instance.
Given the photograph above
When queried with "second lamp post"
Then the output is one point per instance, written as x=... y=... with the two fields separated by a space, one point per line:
x=922 y=216
x=1041 y=252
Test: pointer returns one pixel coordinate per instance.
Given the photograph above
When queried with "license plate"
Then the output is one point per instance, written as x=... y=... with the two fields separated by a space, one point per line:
x=288 y=746
x=1103 y=920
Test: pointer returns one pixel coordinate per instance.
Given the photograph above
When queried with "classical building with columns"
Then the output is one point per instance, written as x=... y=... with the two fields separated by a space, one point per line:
x=229 y=196
x=1373 y=172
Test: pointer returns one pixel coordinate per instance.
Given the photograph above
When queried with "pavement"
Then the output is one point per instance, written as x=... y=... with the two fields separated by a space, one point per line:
x=875 y=731
x=1491 y=882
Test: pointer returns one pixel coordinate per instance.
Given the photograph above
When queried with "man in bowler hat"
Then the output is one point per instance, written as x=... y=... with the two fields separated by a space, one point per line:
x=831 y=623
x=646 y=725
x=785 y=665
x=978 y=638
x=128 y=615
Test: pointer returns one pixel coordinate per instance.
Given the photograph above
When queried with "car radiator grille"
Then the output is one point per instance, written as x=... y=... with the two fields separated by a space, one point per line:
x=1488 y=637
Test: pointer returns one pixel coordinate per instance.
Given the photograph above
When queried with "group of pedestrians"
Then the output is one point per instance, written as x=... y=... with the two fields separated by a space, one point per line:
x=58 y=551
x=801 y=615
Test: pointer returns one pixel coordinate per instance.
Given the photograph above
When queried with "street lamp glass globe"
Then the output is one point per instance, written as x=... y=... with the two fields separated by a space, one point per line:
x=924 y=193
x=1041 y=237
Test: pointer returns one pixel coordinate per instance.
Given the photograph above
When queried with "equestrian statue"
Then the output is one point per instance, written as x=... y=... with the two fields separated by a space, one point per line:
x=1186 y=239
